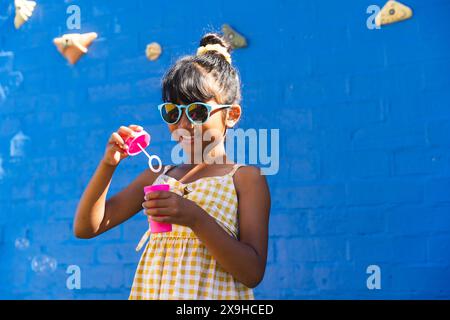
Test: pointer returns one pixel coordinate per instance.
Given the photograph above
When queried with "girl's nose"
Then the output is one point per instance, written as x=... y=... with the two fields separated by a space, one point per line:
x=184 y=122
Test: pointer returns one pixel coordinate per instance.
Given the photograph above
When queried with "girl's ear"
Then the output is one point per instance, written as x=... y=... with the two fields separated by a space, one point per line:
x=233 y=115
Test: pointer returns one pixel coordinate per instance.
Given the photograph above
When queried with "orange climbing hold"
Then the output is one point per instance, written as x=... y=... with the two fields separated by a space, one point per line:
x=74 y=45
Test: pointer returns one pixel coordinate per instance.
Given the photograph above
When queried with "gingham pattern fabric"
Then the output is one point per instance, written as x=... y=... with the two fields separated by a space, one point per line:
x=176 y=264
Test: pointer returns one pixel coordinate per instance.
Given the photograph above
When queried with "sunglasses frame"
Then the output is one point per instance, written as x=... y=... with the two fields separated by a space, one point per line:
x=210 y=107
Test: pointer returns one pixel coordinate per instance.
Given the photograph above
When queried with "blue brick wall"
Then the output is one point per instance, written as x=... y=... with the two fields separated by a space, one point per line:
x=364 y=141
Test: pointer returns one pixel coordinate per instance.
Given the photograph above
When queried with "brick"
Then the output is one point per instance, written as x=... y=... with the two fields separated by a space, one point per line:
x=332 y=140
x=411 y=250
x=433 y=73
x=117 y=253
x=349 y=221
x=101 y=277
x=285 y=278
x=417 y=220
x=371 y=56
x=304 y=117
x=384 y=192
x=437 y=190
x=382 y=136
x=437 y=245
x=304 y=167
x=118 y=91
x=373 y=250
x=79 y=253
x=438 y=133
x=302 y=143
x=287 y=223
x=367 y=163
x=8 y=127
x=112 y=235
x=419 y=161
x=310 y=249
x=52 y=232
x=129 y=271
x=271 y=251
x=422 y=281
x=62 y=209
x=409 y=43
x=134 y=228
x=328 y=221
x=358 y=113
x=309 y=196
x=336 y=278
x=383 y=249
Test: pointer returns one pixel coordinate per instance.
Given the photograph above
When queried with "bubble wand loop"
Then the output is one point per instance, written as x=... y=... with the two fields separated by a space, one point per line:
x=150 y=158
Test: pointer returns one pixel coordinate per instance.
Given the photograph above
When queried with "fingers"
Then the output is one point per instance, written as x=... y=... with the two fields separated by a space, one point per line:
x=116 y=138
x=130 y=131
x=155 y=212
x=119 y=149
x=156 y=203
x=123 y=133
x=165 y=219
x=135 y=127
x=118 y=141
x=158 y=195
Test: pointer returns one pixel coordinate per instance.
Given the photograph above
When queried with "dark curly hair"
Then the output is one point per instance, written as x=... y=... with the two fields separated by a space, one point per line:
x=202 y=78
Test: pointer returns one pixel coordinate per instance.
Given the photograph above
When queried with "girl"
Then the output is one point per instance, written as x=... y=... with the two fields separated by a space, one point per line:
x=217 y=248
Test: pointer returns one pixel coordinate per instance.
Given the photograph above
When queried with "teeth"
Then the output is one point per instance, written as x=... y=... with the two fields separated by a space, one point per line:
x=187 y=138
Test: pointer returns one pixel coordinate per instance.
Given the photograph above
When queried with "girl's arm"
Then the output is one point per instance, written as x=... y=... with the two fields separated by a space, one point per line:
x=245 y=258
x=94 y=214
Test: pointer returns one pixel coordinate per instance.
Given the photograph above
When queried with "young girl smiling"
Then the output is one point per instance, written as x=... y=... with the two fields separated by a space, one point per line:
x=217 y=248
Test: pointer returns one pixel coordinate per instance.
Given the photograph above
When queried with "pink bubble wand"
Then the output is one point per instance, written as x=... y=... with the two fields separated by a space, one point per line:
x=137 y=144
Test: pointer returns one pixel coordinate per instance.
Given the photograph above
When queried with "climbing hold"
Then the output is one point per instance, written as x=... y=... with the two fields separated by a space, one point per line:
x=393 y=11
x=153 y=51
x=73 y=45
x=236 y=40
x=18 y=145
x=24 y=10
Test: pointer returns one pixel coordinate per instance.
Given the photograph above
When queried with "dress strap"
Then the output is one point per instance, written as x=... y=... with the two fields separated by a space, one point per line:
x=167 y=168
x=235 y=167
x=144 y=239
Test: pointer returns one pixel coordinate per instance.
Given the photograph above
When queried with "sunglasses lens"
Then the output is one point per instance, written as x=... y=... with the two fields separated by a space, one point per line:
x=170 y=113
x=198 y=113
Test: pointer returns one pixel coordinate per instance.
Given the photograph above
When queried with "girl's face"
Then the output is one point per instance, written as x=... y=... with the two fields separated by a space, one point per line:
x=212 y=131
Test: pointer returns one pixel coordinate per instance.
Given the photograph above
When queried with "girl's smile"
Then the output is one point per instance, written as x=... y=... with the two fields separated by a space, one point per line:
x=187 y=140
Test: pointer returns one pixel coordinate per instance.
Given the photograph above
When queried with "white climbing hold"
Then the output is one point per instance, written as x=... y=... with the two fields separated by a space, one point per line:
x=24 y=10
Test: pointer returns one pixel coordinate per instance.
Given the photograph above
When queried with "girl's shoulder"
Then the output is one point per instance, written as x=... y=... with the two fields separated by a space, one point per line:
x=246 y=170
x=251 y=186
x=247 y=176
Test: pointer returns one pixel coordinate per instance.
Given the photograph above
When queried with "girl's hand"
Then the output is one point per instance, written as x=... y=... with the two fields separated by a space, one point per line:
x=169 y=207
x=116 y=149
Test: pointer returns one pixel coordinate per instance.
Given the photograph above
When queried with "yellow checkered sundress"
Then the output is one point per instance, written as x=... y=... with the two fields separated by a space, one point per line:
x=176 y=264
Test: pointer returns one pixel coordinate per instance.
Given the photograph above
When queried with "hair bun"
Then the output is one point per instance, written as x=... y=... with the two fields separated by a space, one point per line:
x=213 y=39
